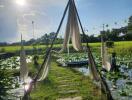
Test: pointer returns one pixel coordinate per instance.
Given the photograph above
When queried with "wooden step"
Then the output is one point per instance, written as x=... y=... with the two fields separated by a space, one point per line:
x=70 y=98
x=65 y=77
x=68 y=92
x=64 y=81
x=67 y=85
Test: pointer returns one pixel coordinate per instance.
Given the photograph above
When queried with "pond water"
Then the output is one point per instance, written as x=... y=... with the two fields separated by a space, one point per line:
x=14 y=63
x=84 y=70
x=119 y=83
x=17 y=93
x=121 y=88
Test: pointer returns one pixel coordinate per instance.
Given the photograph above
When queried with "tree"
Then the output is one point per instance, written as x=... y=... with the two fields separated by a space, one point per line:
x=129 y=28
x=3 y=43
x=47 y=40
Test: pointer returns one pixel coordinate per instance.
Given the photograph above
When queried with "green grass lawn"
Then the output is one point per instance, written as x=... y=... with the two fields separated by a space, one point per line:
x=122 y=48
x=61 y=80
x=17 y=48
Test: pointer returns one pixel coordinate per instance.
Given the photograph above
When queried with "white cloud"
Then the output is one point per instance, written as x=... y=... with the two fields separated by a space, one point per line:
x=36 y=10
x=28 y=14
x=42 y=26
x=2 y=6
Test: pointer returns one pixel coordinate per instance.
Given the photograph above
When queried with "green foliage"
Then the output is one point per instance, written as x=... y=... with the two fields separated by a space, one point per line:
x=128 y=36
x=130 y=25
x=2 y=50
x=110 y=44
x=7 y=81
x=74 y=57
x=123 y=93
x=35 y=50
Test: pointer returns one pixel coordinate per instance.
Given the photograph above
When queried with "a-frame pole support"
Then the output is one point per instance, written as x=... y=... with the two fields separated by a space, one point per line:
x=103 y=82
x=48 y=51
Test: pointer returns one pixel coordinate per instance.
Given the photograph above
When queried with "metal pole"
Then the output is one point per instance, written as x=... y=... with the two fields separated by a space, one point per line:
x=102 y=45
x=33 y=29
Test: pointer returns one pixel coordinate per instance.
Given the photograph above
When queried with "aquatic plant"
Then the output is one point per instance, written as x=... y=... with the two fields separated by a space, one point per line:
x=7 y=81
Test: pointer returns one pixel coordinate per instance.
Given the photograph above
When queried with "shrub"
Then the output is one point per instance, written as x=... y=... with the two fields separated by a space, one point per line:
x=2 y=50
x=110 y=44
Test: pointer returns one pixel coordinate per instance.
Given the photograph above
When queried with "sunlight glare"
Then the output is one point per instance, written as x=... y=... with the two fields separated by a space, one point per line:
x=21 y=2
x=27 y=87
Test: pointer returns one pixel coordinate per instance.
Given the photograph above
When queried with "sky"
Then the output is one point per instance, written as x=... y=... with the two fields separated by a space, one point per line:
x=16 y=16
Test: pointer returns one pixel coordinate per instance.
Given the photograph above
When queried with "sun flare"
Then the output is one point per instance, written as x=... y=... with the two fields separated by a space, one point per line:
x=21 y=2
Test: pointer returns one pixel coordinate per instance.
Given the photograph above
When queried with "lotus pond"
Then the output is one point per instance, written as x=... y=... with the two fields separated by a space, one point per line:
x=120 y=83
